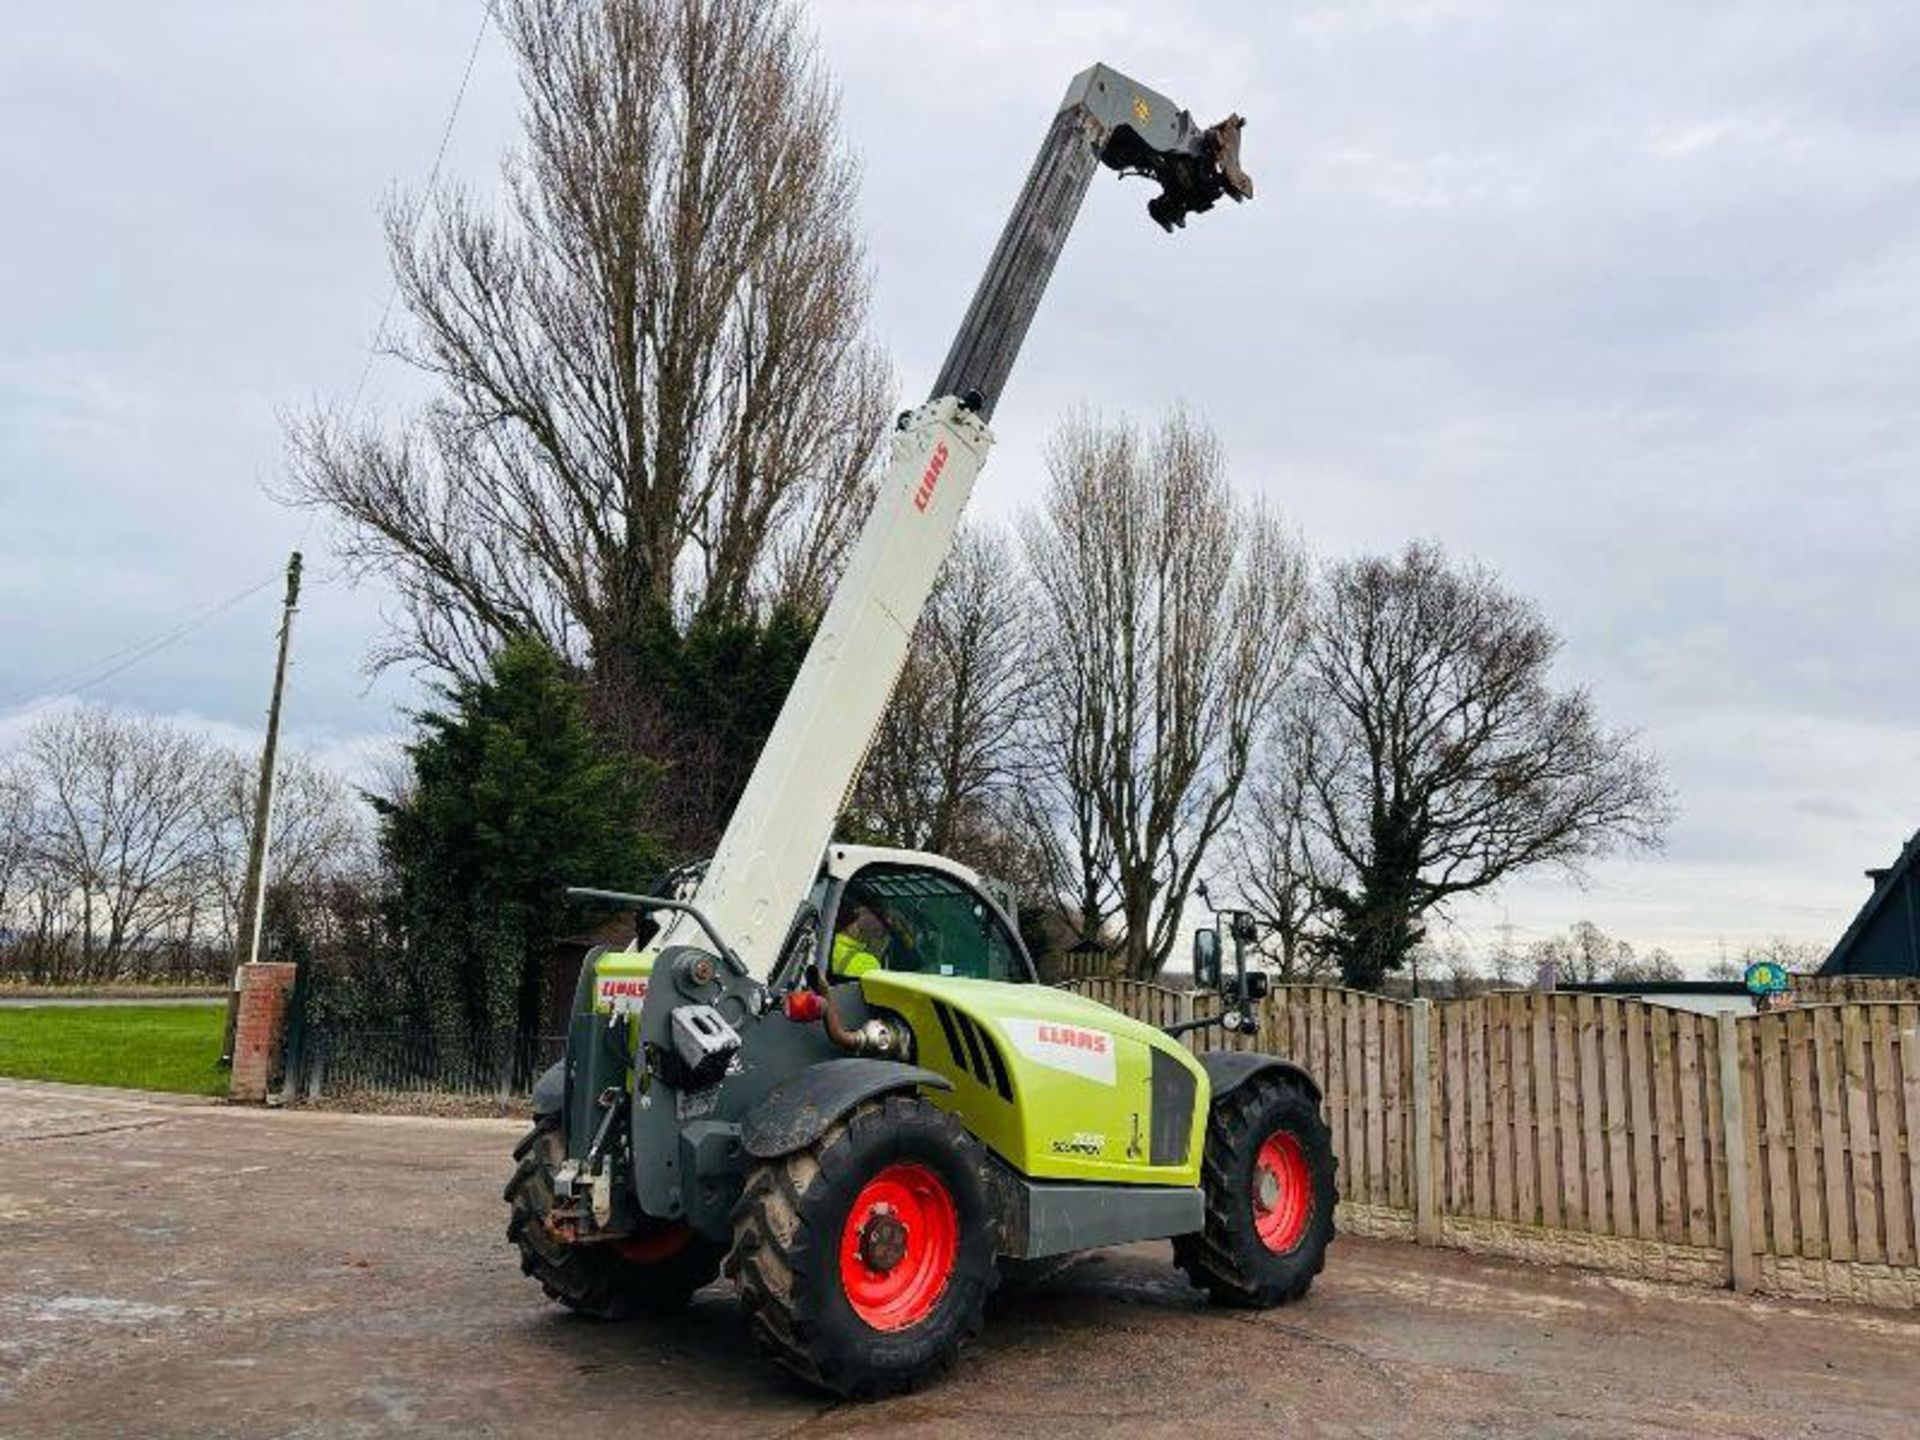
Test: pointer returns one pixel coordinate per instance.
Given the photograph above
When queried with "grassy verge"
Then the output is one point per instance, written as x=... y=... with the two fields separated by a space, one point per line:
x=141 y=1047
x=13 y=990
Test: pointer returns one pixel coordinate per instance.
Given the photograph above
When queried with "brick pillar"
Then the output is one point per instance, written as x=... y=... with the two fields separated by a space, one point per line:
x=264 y=989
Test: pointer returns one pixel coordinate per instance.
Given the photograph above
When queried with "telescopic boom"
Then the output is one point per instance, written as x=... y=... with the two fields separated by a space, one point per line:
x=767 y=859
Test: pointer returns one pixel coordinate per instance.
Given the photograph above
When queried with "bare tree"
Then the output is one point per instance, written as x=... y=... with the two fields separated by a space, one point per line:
x=1586 y=954
x=320 y=830
x=1504 y=961
x=1654 y=967
x=120 y=831
x=1169 y=616
x=33 y=900
x=946 y=748
x=123 y=845
x=17 y=830
x=1796 y=957
x=1059 y=800
x=1280 y=867
x=1444 y=762
x=1455 y=962
x=389 y=781
x=651 y=372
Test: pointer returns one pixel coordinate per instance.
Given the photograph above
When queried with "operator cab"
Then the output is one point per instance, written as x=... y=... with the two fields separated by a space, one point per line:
x=914 y=912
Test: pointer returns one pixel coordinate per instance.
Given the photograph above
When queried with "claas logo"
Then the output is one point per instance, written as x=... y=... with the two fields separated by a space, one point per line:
x=924 y=495
x=613 y=988
x=1094 y=1041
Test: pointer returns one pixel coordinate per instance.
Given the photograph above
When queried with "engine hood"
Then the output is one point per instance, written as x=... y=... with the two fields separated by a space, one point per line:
x=1060 y=1086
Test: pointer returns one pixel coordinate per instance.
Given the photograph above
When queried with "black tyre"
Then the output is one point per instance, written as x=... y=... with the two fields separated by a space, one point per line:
x=647 y=1275
x=864 y=1262
x=1268 y=1173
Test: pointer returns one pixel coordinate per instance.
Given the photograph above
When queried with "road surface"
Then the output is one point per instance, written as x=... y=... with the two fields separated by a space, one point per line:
x=176 y=1267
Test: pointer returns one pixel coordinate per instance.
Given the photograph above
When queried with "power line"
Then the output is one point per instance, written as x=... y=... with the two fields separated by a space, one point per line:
x=433 y=182
x=393 y=290
x=57 y=687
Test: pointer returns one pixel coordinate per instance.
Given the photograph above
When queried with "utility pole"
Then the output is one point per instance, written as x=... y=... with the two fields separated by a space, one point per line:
x=256 y=889
x=253 y=894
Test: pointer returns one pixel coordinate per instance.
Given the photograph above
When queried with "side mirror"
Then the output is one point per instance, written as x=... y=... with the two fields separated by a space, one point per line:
x=1206 y=959
x=1258 y=983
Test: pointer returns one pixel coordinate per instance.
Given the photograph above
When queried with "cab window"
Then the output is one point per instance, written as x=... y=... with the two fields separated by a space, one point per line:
x=899 y=917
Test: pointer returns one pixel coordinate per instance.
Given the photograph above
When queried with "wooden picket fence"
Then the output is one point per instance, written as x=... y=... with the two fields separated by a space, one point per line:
x=1082 y=965
x=1832 y=1130
x=1358 y=1046
x=1828 y=989
x=1595 y=1129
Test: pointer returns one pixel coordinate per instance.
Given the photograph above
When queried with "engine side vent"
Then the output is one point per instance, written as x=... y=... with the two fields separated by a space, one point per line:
x=973 y=1049
x=1170 y=1131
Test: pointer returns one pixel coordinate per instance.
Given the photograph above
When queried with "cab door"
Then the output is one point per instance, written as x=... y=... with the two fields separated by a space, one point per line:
x=930 y=922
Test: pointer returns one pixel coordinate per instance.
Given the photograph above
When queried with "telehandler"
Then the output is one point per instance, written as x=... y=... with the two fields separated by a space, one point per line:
x=829 y=1069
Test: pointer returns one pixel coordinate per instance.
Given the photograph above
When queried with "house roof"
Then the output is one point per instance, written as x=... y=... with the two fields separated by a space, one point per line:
x=1886 y=884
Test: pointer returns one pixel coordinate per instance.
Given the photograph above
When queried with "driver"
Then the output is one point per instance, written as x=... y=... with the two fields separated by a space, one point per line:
x=857 y=939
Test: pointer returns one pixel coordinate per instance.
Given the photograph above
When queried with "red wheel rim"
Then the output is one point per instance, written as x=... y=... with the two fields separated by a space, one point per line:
x=1282 y=1192
x=898 y=1247
x=656 y=1245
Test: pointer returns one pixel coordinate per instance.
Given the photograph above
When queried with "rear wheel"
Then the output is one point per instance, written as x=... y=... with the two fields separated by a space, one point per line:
x=1268 y=1173
x=648 y=1274
x=864 y=1261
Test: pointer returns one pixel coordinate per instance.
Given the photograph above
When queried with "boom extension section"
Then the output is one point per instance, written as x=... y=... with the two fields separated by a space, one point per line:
x=1106 y=119
x=771 y=850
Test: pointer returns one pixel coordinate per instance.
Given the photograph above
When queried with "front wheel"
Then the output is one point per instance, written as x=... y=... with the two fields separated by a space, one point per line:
x=649 y=1274
x=864 y=1261
x=1268 y=1174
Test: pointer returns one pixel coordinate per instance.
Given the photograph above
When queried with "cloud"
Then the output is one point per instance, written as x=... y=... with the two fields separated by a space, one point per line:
x=1615 y=296
x=1830 y=807
x=356 y=758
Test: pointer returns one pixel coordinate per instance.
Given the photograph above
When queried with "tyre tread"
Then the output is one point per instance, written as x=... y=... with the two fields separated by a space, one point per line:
x=774 y=1238
x=591 y=1280
x=1215 y=1257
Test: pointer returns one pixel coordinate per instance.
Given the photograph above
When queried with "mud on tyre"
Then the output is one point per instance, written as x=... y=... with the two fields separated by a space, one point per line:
x=864 y=1261
x=648 y=1275
x=1268 y=1175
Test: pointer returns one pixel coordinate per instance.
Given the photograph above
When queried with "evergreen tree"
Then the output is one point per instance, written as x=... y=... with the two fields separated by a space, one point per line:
x=694 y=704
x=513 y=799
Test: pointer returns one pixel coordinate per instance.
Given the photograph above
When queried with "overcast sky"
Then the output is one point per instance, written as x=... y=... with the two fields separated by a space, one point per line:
x=1618 y=298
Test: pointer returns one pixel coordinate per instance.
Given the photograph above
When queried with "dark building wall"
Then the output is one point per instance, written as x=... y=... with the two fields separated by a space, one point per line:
x=1885 y=946
x=565 y=959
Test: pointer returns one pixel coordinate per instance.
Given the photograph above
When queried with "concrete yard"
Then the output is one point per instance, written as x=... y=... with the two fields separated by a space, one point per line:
x=175 y=1267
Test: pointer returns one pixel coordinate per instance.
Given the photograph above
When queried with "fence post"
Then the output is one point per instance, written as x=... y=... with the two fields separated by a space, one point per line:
x=260 y=1029
x=317 y=1067
x=1426 y=1223
x=1740 y=1260
x=1186 y=1007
